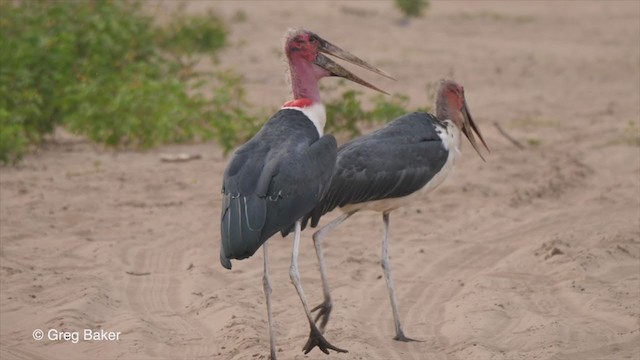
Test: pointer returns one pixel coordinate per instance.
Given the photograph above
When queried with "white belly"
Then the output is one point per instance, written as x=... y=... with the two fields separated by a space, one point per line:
x=451 y=140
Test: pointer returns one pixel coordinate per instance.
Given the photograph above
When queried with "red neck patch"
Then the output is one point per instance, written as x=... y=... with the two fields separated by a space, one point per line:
x=299 y=103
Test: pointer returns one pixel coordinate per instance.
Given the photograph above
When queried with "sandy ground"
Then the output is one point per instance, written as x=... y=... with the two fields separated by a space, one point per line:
x=534 y=254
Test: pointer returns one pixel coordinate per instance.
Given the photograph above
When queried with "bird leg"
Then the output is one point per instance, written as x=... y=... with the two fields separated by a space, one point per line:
x=315 y=337
x=386 y=268
x=266 y=283
x=325 y=307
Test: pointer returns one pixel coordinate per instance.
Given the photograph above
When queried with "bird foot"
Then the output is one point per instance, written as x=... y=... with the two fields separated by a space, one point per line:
x=324 y=310
x=400 y=337
x=316 y=339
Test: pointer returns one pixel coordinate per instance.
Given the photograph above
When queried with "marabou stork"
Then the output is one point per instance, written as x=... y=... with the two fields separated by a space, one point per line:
x=279 y=175
x=390 y=167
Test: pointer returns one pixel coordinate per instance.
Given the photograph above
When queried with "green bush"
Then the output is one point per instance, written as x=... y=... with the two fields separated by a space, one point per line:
x=103 y=69
x=189 y=35
x=346 y=114
x=412 y=8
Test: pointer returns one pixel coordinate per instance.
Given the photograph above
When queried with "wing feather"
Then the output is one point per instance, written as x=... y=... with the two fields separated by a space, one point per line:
x=392 y=162
x=272 y=181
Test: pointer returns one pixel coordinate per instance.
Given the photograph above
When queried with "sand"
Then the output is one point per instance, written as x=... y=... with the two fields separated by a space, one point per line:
x=534 y=254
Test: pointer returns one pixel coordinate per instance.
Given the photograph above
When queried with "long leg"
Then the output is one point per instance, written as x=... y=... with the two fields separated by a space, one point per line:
x=315 y=338
x=266 y=283
x=326 y=305
x=386 y=268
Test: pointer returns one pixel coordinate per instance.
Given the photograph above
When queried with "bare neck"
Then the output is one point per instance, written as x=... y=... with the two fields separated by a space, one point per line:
x=304 y=81
x=442 y=110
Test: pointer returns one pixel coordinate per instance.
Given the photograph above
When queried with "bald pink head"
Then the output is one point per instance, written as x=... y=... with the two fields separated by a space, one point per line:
x=308 y=65
x=301 y=48
x=452 y=105
x=450 y=102
x=301 y=44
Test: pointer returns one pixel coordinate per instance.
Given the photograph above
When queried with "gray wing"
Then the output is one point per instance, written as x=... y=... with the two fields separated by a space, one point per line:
x=392 y=162
x=272 y=181
x=303 y=189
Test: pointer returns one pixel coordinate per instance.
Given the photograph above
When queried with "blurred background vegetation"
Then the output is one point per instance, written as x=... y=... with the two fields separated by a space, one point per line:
x=104 y=70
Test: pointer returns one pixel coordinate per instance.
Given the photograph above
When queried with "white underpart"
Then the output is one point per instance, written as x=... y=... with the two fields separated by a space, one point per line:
x=316 y=113
x=451 y=141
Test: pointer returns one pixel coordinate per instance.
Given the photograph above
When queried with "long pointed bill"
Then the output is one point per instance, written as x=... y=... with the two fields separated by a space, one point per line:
x=468 y=129
x=328 y=48
x=337 y=70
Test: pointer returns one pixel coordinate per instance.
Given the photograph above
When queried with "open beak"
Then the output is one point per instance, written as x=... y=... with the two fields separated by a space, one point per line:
x=469 y=128
x=336 y=70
